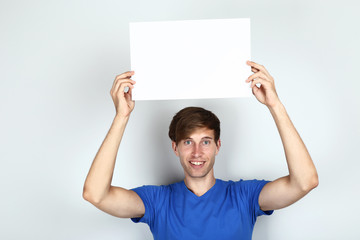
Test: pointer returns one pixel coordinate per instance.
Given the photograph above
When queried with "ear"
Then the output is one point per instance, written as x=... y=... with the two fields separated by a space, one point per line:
x=218 y=147
x=174 y=147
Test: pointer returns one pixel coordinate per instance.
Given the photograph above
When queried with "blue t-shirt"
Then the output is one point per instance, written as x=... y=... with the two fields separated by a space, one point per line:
x=226 y=211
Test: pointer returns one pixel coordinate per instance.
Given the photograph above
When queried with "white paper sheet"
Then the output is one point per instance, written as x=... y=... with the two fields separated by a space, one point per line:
x=190 y=59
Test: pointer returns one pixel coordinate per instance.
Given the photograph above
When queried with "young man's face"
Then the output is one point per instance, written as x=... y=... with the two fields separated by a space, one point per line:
x=197 y=153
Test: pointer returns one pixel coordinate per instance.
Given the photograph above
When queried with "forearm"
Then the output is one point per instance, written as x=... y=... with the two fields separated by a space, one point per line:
x=98 y=181
x=302 y=171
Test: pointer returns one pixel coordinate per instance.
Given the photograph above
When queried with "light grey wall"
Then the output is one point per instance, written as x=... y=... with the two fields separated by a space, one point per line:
x=58 y=60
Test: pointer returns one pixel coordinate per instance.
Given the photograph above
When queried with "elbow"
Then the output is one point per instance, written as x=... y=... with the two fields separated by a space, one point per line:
x=88 y=196
x=315 y=182
x=312 y=183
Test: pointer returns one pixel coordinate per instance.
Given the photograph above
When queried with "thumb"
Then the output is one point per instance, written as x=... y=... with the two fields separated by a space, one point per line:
x=255 y=90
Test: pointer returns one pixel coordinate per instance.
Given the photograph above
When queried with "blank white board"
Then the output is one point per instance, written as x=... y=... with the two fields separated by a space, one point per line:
x=190 y=59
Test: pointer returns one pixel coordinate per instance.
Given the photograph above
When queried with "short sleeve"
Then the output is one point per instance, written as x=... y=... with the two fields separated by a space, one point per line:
x=258 y=187
x=250 y=189
x=151 y=197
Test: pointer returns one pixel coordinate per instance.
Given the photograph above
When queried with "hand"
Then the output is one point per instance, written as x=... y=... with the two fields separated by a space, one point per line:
x=123 y=100
x=266 y=93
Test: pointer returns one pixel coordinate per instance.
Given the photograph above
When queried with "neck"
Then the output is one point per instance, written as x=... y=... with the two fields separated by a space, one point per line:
x=199 y=186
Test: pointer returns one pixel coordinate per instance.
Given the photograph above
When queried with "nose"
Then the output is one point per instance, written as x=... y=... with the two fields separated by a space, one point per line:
x=196 y=151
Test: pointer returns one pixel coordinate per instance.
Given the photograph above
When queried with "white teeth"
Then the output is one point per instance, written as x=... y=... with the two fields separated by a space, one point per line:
x=197 y=163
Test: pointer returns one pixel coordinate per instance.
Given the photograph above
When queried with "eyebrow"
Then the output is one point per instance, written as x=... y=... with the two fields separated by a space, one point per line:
x=207 y=138
x=201 y=138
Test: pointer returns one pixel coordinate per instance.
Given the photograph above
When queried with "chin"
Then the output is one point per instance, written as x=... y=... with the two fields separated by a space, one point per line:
x=198 y=175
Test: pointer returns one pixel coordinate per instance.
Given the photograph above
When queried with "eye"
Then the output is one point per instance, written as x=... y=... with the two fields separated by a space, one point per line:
x=206 y=142
x=187 y=142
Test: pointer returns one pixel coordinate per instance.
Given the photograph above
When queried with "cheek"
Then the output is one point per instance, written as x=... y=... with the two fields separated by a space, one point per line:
x=179 y=152
x=183 y=149
x=211 y=151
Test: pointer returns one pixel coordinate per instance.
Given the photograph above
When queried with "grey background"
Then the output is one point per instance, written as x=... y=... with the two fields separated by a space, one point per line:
x=58 y=60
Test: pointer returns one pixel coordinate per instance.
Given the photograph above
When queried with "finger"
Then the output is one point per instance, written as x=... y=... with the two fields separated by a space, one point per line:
x=261 y=81
x=258 y=67
x=119 y=82
x=125 y=75
x=122 y=88
x=128 y=95
x=257 y=75
x=255 y=89
x=254 y=70
x=129 y=92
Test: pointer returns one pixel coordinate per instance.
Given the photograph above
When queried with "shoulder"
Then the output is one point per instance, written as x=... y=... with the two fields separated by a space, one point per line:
x=250 y=183
x=155 y=191
x=243 y=186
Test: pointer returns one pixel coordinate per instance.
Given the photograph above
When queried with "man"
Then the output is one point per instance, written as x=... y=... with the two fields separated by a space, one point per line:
x=201 y=206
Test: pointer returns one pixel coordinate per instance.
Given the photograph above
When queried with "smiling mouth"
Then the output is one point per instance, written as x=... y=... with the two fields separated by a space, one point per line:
x=197 y=163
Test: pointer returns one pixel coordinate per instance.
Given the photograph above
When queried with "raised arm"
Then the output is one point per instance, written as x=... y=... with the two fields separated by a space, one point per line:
x=116 y=201
x=302 y=176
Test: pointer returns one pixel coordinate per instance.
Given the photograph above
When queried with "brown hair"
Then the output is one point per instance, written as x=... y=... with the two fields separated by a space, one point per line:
x=188 y=119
